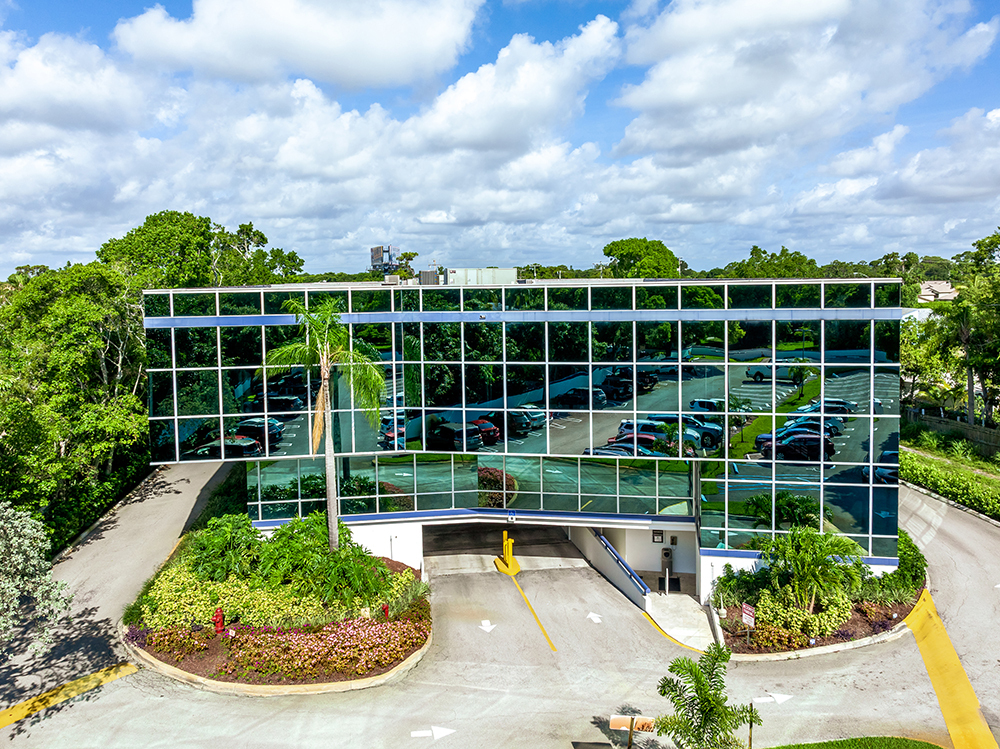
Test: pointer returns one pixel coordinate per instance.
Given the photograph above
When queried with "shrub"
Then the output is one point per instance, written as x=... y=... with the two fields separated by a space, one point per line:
x=494 y=481
x=912 y=564
x=768 y=636
x=178 y=643
x=229 y=545
x=978 y=492
x=962 y=449
x=928 y=440
x=780 y=610
x=179 y=598
x=734 y=587
x=350 y=647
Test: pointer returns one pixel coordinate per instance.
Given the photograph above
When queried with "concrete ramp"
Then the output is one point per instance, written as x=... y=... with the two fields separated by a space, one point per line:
x=469 y=548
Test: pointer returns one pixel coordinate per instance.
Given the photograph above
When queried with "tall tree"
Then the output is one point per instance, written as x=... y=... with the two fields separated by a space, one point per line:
x=240 y=258
x=170 y=250
x=813 y=563
x=702 y=717
x=26 y=573
x=761 y=264
x=641 y=258
x=327 y=344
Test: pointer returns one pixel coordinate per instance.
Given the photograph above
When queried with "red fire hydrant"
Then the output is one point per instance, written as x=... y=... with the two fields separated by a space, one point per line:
x=219 y=621
x=385 y=610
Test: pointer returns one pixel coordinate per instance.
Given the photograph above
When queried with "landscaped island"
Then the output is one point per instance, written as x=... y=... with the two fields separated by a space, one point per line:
x=815 y=589
x=292 y=611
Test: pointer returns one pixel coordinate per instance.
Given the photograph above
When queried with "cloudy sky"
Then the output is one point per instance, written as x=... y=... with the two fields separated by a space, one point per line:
x=503 y=132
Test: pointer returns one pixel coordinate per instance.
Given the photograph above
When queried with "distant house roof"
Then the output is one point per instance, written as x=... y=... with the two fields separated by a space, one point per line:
x=936 y=291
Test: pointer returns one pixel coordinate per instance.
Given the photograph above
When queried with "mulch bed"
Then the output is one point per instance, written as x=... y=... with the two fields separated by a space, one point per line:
x=855 y=628
x=208 y=663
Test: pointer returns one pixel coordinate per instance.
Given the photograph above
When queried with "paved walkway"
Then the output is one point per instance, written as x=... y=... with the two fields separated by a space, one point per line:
x=683 y=619
x=105 y=572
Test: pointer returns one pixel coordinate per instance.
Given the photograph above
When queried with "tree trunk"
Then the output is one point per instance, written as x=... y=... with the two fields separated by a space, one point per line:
x=972 y=395
x=332 y=514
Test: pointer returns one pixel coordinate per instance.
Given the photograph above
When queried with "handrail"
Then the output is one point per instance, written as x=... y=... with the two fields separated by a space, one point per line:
x=636 y=580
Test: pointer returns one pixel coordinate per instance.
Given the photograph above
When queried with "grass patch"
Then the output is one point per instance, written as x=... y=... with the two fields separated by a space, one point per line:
x=743 y=443
x=865 y=742
x=809 y=391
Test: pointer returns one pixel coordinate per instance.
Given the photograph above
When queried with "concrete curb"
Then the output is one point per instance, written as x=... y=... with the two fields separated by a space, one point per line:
x=893 y=634
x=265 y=690
x=950 y=502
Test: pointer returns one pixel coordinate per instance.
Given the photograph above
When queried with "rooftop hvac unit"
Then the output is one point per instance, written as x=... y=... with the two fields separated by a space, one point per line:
x=428 y=278
x=392 y=280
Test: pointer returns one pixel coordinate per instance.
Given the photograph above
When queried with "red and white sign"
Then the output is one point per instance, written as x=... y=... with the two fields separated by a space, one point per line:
x=748 y=614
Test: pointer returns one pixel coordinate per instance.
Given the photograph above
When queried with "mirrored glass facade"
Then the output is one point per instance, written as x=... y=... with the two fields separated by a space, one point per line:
x=741 y=408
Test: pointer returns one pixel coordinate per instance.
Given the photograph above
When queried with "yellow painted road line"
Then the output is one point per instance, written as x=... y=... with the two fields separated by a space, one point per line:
x=66 y=691
x=674 y=641
x=958 y=701
x=537 y=621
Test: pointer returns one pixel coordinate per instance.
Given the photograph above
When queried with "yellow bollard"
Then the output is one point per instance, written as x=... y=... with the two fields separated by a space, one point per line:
x=506 y=563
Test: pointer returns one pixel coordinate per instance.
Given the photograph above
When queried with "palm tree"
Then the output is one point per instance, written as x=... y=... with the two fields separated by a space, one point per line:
x=328 y=345
x=814 y=563
x=702 y=719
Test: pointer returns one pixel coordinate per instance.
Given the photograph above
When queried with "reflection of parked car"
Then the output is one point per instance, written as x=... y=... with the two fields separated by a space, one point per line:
x=394 y=442
x=536 y=416
x=788 y=431
x=800 y=447
x=267 y=431
x=236 y=447
x=834 y=425
x=514 y=424
x=885 y=474
x=581 y=398
x=761 y=372
x=284 y=403
x=645 y=381
x=624 y=446
x=658 y=430
x=391 y=423
x=617 y=388
x=489 y=431
x=830 y=408
x=711 y=434
x=829 y=403
x=711 y=405
x=454 y=437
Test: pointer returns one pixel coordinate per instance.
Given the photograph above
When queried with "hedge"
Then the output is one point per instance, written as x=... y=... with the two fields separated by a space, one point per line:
x=974 y=490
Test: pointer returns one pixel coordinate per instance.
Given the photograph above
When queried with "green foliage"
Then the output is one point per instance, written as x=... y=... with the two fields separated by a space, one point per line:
x=179 y=598
x=641 y=258
x=767 y=636
x=178 y=643
x=761 y=264
x=781 y=609
x=26 y=572
x=912 y=564
x=866 y=742
x=734 y=587
x=229 y=546
x=132 y=616
x=298 y=555
x=813 y=564
x=74 y=425
x=702 y=717
x=976 y=491
x=352 y=647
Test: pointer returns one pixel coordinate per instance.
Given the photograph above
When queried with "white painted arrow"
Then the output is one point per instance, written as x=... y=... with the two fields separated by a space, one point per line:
x=486 y=626
x=436 y=733
x=778 y=698
x=596 y=619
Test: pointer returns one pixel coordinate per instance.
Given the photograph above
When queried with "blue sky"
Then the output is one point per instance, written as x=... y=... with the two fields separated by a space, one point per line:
x=503 y=133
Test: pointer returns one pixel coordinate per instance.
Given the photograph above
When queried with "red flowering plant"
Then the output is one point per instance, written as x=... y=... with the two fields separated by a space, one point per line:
x=495 y=482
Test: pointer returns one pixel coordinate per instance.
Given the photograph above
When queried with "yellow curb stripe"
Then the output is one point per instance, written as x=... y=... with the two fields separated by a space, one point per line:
x=537 y=621
x=65 y=692
x=956 y=697
x=673 y=640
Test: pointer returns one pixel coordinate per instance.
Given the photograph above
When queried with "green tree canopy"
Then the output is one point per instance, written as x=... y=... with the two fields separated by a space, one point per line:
x=170 y=250
x=762 y=264
x=26 y=572
x=702 y=717
x=641 y=258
